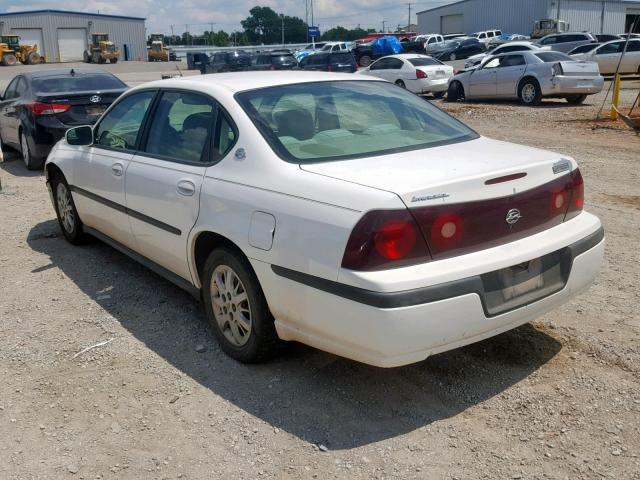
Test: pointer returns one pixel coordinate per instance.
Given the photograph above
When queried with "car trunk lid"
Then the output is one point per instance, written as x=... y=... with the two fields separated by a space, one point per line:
x=84 y=107
x=580 y=68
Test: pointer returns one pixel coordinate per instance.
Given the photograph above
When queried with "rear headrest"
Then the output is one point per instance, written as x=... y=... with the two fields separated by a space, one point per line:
x=295 y=123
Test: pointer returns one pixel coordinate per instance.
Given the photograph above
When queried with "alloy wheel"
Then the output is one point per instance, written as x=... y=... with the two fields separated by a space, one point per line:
x=528 y=93
x=65 y=208
x=24 y=148
x=231 y=307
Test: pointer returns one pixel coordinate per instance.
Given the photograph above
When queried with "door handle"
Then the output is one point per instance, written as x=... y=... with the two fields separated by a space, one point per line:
x=117 y=169
x=186 y=187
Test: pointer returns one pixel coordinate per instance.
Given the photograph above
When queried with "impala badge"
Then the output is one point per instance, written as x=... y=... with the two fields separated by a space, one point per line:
x=95 y=99
x=513 y=216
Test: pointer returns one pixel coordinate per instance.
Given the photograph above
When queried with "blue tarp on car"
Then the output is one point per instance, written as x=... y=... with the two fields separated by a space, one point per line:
x=386 y=46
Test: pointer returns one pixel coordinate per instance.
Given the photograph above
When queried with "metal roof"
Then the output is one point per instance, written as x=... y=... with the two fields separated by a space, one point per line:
x=457 y=2
x=67 y=12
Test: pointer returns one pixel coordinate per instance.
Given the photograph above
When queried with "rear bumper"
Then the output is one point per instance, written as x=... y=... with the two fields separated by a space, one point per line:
x=393 y=328
x=426 y=85
x=561 y=85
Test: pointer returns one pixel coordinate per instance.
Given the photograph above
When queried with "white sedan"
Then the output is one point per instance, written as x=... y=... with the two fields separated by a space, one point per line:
x=416 y=73
x=505 y=48
x=347 y=214
x=608 y=55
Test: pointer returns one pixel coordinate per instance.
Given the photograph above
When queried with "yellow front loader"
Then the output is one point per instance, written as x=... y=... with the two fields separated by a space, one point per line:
x=11 y=51
x=101 y=50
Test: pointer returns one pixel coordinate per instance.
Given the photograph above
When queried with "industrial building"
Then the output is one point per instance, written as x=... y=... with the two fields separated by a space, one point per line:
x=63 y=36
x=518 y=16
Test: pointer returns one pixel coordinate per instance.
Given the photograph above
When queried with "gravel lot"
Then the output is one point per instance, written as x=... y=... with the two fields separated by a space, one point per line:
x=558 y=398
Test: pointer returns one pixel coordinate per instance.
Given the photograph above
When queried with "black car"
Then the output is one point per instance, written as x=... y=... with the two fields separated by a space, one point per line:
x=274 y=60
x=606 y=37
x=234 y=61
x=330 y=62
x=38 y=107
x=460 y=49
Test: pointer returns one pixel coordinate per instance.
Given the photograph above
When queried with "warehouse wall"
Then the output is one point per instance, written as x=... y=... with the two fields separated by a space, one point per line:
x=517 y=16
x=513 y=16
x=121 y=30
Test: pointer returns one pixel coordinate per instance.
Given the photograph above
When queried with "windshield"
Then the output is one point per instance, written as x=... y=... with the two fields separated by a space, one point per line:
x=474 y=35
x=553 y=57
x=424 y=61
x=79 y=83
x=335 y=120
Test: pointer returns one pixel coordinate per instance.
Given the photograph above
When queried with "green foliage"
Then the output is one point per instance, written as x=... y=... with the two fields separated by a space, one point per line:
x=341 y=33
x=264 y=26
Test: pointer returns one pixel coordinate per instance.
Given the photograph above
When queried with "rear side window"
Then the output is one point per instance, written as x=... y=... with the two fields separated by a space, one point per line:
x=118 y=129
x=513 y=61
x=549 y=40
x=76 y=83
x=181 y=127
x=633 y=47
x=610 y=48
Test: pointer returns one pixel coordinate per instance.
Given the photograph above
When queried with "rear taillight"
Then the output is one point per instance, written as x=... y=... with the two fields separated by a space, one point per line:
x=385 y=239
x=420 y=74
x=41 y=108
x=576 y=196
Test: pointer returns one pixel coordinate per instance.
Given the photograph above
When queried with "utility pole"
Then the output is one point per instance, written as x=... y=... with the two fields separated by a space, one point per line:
x=282 y=26
x=409 y=21
x=383 y=22
x=306 y=17
x=186 y=30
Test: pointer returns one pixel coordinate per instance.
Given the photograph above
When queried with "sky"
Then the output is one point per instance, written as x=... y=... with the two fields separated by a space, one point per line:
x=226 y=15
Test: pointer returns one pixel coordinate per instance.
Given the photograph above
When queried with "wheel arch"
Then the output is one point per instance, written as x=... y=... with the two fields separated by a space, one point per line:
x=202 y=244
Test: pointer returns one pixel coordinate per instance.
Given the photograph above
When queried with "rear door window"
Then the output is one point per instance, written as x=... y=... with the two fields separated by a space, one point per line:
x=181 y=127
x=615 y=47
x=512 y=61
x=119 y=128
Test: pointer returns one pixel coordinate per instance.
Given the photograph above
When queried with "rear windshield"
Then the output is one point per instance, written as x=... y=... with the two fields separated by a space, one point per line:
x=321 y=121
x=283 y=59
x=553 y=57
x=424 y=61
x=78 y=83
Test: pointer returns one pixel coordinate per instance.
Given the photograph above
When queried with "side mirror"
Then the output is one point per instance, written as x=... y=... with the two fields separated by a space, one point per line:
x=82 y=136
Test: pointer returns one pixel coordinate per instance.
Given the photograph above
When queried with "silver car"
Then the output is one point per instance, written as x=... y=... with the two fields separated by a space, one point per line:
x=565 y=42
x=529 y=76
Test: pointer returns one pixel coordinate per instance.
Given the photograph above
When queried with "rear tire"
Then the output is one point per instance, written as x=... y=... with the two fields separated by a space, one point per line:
x=31 y=162
x=365 y=61
x=400 y=84
x=455 y=92
x=237 y=309
x=114 y=60
x=576 y=99
x=70 y=223
x=529 y=92
x=452 y=57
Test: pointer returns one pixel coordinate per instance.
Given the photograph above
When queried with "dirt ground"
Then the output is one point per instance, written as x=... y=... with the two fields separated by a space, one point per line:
x=555 y=399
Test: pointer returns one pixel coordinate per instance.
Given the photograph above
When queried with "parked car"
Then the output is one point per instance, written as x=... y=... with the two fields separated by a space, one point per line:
x=528 y=76
x=308 y=50
x=416 y=73
x=451 y=36
x=486 y=36
x=38 y=107
x=506 y=48
x=607 y=37
x=506 y=38
x=274 y=60
x=460 y=49
x=431 y=42
x=587 y=47
x=234 y=61
x=330 y=62
x=347 y=214
x=337 y=47
x=608 y=55
x=565 y=42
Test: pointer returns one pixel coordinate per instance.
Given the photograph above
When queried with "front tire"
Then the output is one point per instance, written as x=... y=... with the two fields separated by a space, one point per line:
x=70 y=223
x=31 y=162
x=237 y=309
x=529 y=92
x=114 y=60
x=576 y=99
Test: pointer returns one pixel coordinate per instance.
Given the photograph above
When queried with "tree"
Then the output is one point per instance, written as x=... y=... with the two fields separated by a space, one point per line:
x=264 y=26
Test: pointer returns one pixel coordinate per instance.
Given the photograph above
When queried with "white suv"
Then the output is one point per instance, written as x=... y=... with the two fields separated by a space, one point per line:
x=338 y=211
x=486 y=36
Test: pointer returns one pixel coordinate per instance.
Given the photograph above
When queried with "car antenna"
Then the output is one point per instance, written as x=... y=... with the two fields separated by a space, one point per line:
x=73 y=72
x=179 y=71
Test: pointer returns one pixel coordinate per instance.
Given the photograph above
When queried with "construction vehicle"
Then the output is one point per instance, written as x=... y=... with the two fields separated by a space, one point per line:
x=548 y=26
x=101 y=50
x=157 y=52
x=11 y=51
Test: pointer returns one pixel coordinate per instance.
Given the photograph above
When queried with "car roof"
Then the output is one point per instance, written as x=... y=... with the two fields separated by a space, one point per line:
x=522 y=43
x=59 y=72
x=235 y=82
x=406 y=56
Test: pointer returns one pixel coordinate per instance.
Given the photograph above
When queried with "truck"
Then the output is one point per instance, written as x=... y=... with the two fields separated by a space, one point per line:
x=548 y=26
x=101 y=49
